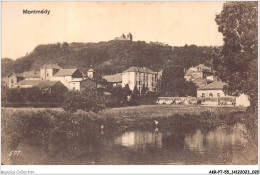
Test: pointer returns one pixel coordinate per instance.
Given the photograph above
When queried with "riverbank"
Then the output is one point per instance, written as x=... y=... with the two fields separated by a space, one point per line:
x=146 y=110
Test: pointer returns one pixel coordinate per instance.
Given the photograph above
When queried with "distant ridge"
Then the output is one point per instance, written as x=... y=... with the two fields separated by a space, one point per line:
x=109 y=57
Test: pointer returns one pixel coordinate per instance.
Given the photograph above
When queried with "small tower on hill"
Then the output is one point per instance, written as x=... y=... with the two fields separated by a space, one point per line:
x=130 y=37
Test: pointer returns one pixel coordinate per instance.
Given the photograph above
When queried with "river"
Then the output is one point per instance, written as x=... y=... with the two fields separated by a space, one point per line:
x=182 y=146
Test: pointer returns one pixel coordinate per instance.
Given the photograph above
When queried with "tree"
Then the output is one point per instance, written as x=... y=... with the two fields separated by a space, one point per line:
x=237 y=62
x=86 y=100
x=127 y=90
x=14 y=96
x=118 y=96
x=144 y=90
x=172 y=79
x=135 y=91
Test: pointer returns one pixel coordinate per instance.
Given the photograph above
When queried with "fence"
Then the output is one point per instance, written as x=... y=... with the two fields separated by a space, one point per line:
x=210 y=101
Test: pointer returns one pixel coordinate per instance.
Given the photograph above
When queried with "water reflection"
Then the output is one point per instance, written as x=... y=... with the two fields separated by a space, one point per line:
x=139 y=138
x=217 y=139
x=151 y=146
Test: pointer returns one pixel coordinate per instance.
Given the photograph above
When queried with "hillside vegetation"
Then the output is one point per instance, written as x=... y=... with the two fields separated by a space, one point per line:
x=110 y=57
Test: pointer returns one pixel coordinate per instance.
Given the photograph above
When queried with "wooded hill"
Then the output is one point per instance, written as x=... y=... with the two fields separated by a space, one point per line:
x=110 y=57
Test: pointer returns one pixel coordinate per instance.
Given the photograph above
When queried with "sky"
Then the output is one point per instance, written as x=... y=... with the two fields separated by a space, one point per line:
x=174 y=23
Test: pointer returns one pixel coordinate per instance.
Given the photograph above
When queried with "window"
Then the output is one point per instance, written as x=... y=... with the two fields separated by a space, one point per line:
x=12 y=81
x=74 y=89
x=210 y=95
x=218 y=94
x=47 y=75
x=203 y=95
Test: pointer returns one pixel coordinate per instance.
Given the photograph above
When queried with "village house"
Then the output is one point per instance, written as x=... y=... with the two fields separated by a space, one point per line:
x=70 y=78
x=200 y=75
x=215 y=89
x=14 y=78
x=113 y=80
x=140 y=77
x=44 y=85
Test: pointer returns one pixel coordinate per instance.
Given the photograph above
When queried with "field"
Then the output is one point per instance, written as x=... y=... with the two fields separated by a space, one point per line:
x=167 y=110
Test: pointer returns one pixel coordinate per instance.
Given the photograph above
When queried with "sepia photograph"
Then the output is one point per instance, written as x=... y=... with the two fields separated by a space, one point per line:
x=129 y=83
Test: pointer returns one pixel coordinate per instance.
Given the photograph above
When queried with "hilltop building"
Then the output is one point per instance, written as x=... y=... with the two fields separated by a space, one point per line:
x=140 y=77
x=129 y=37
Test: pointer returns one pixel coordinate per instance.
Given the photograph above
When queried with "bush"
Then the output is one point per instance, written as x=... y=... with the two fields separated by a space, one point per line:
x=34 y=95
x=86 y=100
x=118 y=96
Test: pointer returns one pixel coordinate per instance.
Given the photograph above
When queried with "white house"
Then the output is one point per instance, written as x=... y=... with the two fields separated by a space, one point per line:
x=215 y=89
x=139 y=77
x=14 y=78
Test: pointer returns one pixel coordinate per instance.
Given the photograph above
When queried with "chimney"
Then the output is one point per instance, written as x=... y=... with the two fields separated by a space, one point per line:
x=144 y=68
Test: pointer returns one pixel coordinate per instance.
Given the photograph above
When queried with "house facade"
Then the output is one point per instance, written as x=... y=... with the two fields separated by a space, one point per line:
x=215 y=90
x=13 y=79
x=199 y=72
x=70 y=78
x=140 y=77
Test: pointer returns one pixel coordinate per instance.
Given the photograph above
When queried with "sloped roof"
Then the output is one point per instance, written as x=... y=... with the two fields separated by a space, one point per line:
x=38 y=83
x=31 y=74
x=29 y=82
x=76 y=80
x=216 y=85
x=199 y=82
x=188 y=72
x=16 y=74
x=5 y=80
x=51 y=66
x=65 y=72
x=204 y=68
x=117 y=78
x=140 y=69
x=46 y=84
